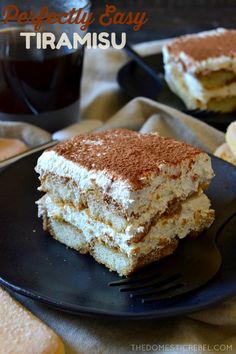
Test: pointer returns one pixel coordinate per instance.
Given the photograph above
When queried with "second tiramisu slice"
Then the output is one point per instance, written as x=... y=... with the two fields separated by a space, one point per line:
x=201 y=69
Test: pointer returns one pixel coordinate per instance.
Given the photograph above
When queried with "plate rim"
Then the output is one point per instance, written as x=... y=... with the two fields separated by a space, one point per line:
x=99 y=313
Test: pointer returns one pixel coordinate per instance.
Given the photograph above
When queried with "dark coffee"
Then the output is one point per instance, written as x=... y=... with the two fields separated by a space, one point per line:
x=41 y=87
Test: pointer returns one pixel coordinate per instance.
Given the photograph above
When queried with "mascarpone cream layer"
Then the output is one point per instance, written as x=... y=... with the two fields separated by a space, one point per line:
x=195 y=215
x=190 y=89
x=173 y=181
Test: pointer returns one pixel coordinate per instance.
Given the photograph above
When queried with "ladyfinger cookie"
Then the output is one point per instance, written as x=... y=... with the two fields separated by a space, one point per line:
x=23 y=333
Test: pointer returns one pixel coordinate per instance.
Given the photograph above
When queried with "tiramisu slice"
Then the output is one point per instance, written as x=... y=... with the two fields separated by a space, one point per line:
x=201 y=69
x=124 y=197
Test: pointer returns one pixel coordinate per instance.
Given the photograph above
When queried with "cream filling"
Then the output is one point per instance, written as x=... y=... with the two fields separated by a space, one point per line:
x=61 y=194
x=189 y=88
x=194 y=216
x=156 y=193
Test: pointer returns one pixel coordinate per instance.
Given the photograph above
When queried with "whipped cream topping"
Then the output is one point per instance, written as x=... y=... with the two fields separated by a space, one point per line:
x=209 y=50
x=183 y=181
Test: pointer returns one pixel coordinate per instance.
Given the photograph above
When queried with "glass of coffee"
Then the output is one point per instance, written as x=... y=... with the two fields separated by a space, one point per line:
x=41 y=86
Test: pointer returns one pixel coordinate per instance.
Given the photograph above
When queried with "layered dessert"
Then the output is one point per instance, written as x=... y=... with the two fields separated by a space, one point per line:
x=201 y=69
x=123 y=197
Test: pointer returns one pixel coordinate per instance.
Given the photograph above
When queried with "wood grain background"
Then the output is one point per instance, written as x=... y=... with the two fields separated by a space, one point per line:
x=168 y=18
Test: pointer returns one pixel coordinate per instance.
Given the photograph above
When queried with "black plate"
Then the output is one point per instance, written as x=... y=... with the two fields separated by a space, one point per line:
x=33 y=264
x=136 y=82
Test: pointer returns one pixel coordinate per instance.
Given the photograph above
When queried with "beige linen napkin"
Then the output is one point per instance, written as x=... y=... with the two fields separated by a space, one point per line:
x=215 y=326
x=31 y=135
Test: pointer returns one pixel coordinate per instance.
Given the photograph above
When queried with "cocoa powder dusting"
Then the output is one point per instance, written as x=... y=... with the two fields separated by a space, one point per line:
x=199 y=48
x=125 y=154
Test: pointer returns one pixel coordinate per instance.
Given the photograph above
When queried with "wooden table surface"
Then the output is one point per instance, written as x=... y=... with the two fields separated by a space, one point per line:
x=169 y=18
